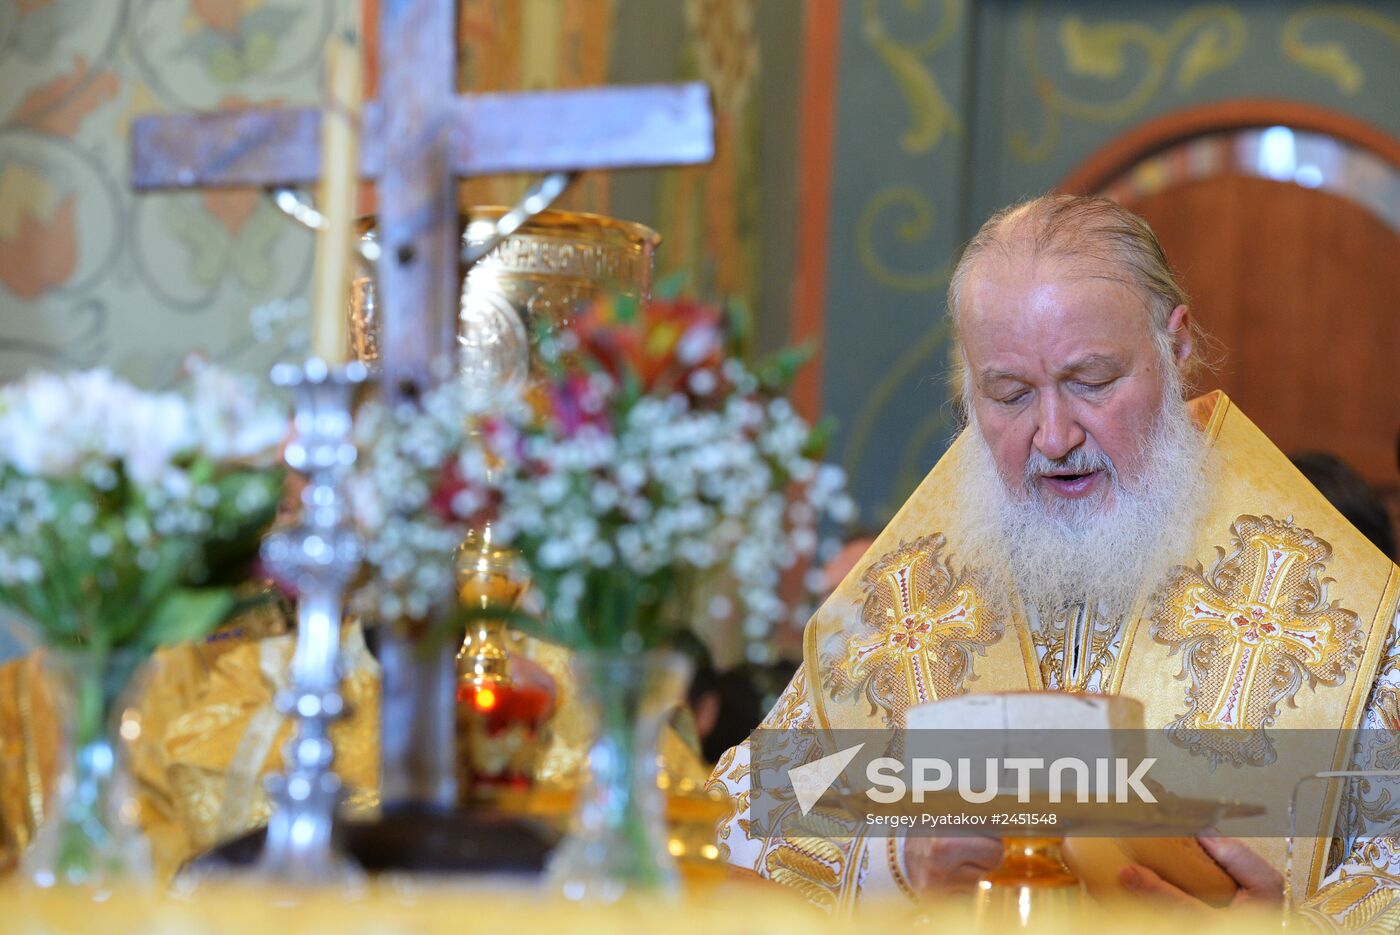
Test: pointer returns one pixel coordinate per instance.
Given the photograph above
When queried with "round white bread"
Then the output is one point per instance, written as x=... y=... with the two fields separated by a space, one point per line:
x=1181 y=862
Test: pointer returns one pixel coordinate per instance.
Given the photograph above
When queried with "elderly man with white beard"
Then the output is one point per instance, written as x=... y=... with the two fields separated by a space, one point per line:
x=1053 y=547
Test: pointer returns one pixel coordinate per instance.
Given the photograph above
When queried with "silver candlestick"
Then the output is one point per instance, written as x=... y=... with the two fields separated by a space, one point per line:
x=319 y=555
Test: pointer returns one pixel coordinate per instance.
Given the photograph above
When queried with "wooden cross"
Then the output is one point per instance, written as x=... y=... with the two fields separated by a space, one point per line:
x=417 y=139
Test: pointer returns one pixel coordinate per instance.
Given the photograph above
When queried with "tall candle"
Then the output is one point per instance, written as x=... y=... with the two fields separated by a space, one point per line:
x=340 y=171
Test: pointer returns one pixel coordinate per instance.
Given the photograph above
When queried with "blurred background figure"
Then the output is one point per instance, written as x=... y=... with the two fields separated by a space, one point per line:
x=1355 y=499
x=724 y=705
x=857 y=542
x=727 y=705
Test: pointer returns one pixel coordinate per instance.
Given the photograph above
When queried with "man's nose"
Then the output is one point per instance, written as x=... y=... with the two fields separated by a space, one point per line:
x=1059 y=432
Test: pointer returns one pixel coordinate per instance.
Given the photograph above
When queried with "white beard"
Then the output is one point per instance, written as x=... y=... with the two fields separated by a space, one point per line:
x=1103 y=551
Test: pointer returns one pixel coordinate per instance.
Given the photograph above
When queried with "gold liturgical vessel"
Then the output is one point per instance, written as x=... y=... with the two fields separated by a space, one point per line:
x=534 y=281
x=530 y=279
x=504 y=700
x=1031 y=884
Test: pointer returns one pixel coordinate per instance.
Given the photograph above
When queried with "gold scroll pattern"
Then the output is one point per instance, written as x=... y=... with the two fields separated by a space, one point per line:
x=903 y=216
x=732 y=767
x=913 y=223
x=1360 y=903
x=1205 y=39
x=1251 y=632
x=1329 y=57
x=930 y=114
x=931 y=119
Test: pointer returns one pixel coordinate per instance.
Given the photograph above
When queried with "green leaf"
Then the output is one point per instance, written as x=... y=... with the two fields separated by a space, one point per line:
x=187 y=614
x=671 y=285
x=819 y=438
x=777 y=371
x=626 y=308
x=738 y=327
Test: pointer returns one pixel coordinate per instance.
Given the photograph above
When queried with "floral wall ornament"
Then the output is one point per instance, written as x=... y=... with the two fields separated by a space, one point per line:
x=726 y=48
x=87 y=273
x=236 y=39
x=930 y=114
x=709 y=214
x=1330 y=58
x=1206 y=38
x=35 y=217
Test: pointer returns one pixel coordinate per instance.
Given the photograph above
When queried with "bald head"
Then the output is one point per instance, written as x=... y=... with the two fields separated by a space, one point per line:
x=1080 y=236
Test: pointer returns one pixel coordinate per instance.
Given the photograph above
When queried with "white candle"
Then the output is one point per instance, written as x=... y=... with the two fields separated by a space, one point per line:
x=340 y=175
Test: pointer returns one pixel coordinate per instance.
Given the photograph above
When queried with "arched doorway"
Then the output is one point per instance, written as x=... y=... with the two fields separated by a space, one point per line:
x=1283 y=221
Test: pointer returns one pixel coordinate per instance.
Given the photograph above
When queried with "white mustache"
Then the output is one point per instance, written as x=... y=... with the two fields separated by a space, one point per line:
x=1078 y=461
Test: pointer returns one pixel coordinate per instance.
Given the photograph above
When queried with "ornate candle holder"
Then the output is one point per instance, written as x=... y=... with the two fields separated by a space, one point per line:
x=319 y=556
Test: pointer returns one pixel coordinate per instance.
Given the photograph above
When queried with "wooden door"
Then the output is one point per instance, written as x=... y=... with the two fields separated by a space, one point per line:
x=1302 y=290
x=1283 y=223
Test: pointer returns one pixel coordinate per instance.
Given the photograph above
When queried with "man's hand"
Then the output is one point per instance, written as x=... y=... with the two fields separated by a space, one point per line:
x=1261 y=886
x=943 y=865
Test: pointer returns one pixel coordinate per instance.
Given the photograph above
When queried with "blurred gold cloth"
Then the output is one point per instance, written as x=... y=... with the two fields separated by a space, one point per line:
x=737 y=908
x=210 y=733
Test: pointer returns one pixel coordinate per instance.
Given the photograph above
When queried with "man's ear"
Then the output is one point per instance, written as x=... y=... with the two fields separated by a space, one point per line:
x=1179 y=327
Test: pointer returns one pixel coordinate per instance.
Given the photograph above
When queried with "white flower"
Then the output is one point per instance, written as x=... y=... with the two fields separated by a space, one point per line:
x=232 y=420
x=53 y=424
x=155 y=429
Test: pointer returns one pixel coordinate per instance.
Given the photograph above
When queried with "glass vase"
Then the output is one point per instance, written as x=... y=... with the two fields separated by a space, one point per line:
x=618 y=844
x=90 y=834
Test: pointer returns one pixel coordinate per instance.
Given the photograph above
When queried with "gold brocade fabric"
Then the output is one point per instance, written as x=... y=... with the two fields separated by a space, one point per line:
x=209 y=754
x=29 y=741
x=1368 y=902
x=210 y=733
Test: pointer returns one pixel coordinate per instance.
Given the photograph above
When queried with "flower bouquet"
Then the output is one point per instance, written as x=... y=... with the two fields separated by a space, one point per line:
x=651 y=462
x=127 y=518
x=649 y=468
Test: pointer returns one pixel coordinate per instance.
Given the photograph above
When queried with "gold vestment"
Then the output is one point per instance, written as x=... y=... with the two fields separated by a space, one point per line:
x=908 y=626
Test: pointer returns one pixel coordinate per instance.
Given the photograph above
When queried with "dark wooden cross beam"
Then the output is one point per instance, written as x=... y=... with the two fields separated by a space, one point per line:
x=417 y=138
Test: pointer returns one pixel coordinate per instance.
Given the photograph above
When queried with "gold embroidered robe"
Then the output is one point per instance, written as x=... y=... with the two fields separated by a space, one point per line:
x=1272 y=567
